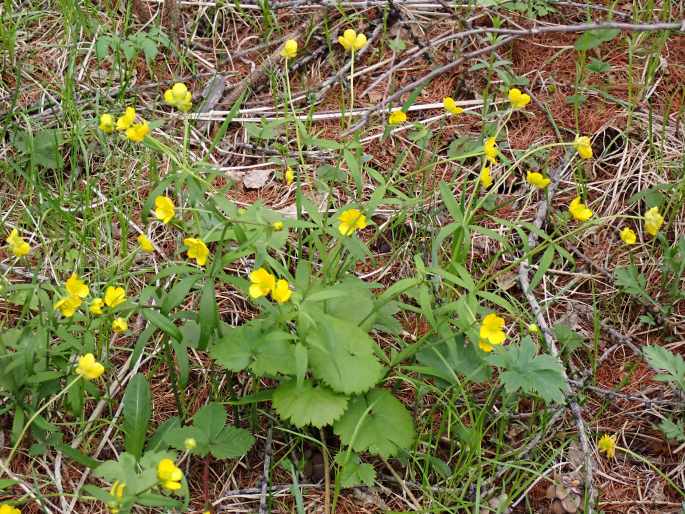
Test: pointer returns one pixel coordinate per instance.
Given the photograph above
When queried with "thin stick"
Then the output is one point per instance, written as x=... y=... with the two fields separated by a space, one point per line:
x=263 y=508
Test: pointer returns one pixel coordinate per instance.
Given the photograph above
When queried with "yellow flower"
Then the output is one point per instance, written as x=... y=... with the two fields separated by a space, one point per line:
x=262 y=283
x=607 y=444
x=17 y=245
x=114 y=296
x=68 y=305
x=490 y=149
x=8 y=509
x=76 y=287
x=89 y=368
x=289 y=50
x=583 y=146
x=351 y=41
x=169 y=475
x=96 y=306
x=277 y=226
x=179 y=96
x=289 y=175
x=197 y=250
x=164 y=209
x=491 y=332
x=451 y=106
x=351 y=220
x=628 y=236
x=137 y=132
x=397 y=117
x=533 y=328
x=119 y=325
x=106 y=123
x=126 y=120
x=537 y=179
x=485 y=178
x=518 y=99
x=190 y=443
x=117 y=490
x=579 y=210
x=281 y=292
x=145 y=244
x=653 y=221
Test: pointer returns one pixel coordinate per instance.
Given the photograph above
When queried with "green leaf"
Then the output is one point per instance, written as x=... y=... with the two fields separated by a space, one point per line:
x=376 y=422
x=178 y=293
x=209 y=316
x=353 y=472
x=598 y=66
x=671 y=430
x=454 y=360
x=527 y=372
x=342 y=355
x=136 y=413
x=569 y=339
x=594 y=38
x=308 y=404
x=163 y=323
x=661 y=359
x=632 y=282
x=543 y=266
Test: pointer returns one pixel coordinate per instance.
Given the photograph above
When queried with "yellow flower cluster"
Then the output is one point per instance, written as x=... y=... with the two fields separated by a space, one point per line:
x=262 y=283
x=579 y=210
x=169 y=475
x=178 y=96
x=351 y=220
x=18 y=247
x=451 y=106
x=351 y=41
x=135 y=132
x=518 y=99
x=89 y=368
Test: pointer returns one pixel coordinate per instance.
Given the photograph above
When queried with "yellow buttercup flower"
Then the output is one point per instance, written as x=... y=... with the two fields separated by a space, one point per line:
x=490 y=149
x=8 y=509
x=583 y=146
x=607 y=445
x=77 y=287
x=289 y=50
x=117 y=490
x=197 y=250
x=164 y=209
x=289 y=175
x=68 y=305
x=533 y=328
x=281 y=292
x=277 y=226
x=653 y=221
x=114 y=296
x=106 y=123
x=262 y=283
x=126 y=120
x=491 y=332
x=119 y=325
x=537 y=179
x=351 y=41
x=96 y=306
x=451 y=106
x=351 y=220
x=518 y=99
x=137 y=132
x=169 y=475
x=485 y=178
x=579 y=210
x=628 y=236
x=145 y=244
x=17 y=245
x=88 y=367
x=397 y=117
x=190 y=443
x=179 y=96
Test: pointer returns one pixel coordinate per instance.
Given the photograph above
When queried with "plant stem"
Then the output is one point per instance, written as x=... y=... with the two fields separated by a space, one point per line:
x=326 y=473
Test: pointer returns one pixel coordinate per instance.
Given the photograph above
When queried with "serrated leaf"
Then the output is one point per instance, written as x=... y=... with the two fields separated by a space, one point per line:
x=342 y=355
x=308 y=404
x=569 y=339
x=631 y=281
x=671 y=430
x=454 y=360
x=529 y=373
x=354 y=472
x=376 y=422
x=136 y=412
x=661 y=359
